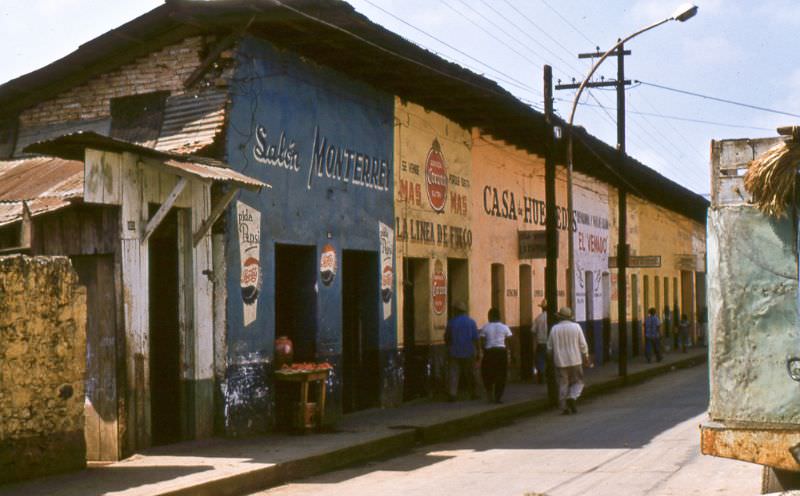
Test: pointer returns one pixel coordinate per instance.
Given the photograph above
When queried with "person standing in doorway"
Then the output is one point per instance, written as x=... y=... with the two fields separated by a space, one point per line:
x=494 y=367
x=702 y=320
x=652 y=336
x=461 y=338
x=540 y=342
x=683 y=331
x=567 y=344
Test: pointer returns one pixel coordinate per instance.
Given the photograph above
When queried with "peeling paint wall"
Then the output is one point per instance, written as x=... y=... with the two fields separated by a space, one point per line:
x=42 y=365
x=754 y=318
x=680 y=244
x=432 y=224
x=325 y=144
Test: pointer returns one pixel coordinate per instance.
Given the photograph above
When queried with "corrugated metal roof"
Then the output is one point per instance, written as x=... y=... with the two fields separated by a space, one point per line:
x=34 y=134
x=38 y=177
x=72 y=146
x=46 y=183
x=192 y=122
x=211 y=173
x=11 y=212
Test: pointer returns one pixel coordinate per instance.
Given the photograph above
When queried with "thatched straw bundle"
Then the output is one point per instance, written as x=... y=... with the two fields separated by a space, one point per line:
x=771 y=179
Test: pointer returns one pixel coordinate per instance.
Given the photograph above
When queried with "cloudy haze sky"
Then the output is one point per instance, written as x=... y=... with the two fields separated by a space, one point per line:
x=736 y=50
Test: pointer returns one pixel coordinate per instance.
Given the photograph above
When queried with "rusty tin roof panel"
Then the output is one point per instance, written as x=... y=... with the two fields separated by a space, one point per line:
x=72 y=146
x=212 y=173
x=11 y=212
x=192 y=122
x=32 y=178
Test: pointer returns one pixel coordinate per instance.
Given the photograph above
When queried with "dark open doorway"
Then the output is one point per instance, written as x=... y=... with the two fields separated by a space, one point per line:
x=499 y=289
x=296 y=299
x=457 y=283
x=525 y=321
x=360 y=325
x=416 y=316
x=295 y=315
x=165 y=346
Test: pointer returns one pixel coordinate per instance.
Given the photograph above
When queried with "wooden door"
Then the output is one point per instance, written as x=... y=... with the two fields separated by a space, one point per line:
x=96 y=272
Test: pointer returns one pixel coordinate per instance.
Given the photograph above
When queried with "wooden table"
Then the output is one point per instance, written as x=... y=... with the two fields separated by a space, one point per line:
x=305 y=378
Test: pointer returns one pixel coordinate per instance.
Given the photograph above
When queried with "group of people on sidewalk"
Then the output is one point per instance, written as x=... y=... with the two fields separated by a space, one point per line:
x=653 y=334
x=565 y=345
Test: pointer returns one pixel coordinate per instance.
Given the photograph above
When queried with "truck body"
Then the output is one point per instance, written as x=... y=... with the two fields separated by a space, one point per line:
x=754 y=321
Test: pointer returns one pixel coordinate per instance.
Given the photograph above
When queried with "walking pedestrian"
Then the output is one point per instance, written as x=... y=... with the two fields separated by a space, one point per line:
x=540 y=342
x=567 y=344
x=652 y=336
x=683 y=331
x=494 y=367
x=702 y=320
x=461 y=338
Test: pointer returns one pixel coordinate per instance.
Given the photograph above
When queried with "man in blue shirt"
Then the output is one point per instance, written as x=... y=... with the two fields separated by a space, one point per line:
x=463 y=350
x=652 y=335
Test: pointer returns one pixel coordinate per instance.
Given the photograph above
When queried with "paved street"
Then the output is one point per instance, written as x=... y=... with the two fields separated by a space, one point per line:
x=641 y=440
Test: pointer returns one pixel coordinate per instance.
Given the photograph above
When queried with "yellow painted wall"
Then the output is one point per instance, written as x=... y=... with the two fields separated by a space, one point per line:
x=501 y=172
x=654 y=230
x=421 y=231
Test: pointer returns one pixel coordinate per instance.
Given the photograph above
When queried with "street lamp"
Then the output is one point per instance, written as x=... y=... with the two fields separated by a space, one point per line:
x=682 y=14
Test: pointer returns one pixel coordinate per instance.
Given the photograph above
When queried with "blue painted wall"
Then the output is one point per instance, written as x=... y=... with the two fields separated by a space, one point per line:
x=325 y=144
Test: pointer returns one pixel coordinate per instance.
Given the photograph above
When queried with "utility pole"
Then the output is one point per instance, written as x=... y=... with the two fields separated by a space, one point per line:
x=551 y=229
x=622 y=251
x=622 y=213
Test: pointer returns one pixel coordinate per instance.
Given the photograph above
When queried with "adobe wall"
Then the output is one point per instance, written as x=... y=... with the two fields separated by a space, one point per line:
x=42 y=364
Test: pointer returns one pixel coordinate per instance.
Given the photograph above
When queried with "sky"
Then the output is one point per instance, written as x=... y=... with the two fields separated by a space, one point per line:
x=741 y=50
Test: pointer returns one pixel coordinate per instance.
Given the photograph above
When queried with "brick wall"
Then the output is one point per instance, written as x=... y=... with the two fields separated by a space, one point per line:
x=162 y=70
x=42 y=364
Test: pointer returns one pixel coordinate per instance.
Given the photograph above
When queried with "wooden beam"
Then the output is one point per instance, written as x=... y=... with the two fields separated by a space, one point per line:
x=214 y=54
x=162 y=212
x=216 y=211
x=25 y=232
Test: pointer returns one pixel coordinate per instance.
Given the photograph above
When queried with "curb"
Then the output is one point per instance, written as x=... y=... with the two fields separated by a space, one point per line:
x=266 y=477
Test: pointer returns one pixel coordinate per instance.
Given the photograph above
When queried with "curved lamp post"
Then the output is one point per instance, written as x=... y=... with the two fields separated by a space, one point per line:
x=682 y=14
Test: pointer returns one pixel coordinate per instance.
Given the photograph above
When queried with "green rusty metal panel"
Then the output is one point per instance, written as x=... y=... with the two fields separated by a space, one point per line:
x=753 y=316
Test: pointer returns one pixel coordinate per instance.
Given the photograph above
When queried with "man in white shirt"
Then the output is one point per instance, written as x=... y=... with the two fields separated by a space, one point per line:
x=568 y=347
x=540 y=342
x=494 y=368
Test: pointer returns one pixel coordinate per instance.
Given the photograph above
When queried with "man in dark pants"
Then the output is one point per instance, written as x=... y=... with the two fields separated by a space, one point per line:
x=461 y=337
x=652 y=335
x=494 y=368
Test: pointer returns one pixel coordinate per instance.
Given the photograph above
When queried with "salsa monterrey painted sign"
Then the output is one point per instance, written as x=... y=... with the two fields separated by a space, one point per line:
x=327 y=159
x=325 y=143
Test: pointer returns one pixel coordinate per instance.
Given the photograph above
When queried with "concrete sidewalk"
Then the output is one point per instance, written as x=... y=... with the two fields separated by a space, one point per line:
x=229 y=467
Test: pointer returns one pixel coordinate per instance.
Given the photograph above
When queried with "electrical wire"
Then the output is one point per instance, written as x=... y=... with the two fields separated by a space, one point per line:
x=387 y=50
x=567 y=22
x=492 y=35
x=676 y=117
x=518 y=83
x=717 y=99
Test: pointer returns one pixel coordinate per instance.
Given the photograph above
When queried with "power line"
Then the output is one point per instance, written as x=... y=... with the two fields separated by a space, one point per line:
x=677 y=118
x=489 y=33
x=567 y=22
x=387 y=50
x=717 y=99
x=511 y=79
x=675 y=129
x=510 y=21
